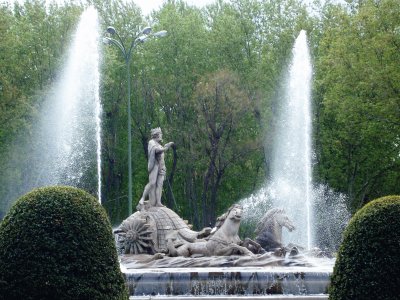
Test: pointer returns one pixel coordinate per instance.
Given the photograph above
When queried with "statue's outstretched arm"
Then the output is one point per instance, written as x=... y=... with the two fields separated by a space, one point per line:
x=160 y=148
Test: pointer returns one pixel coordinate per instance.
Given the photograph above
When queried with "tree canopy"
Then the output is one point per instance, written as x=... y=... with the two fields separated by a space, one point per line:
x=211 y=85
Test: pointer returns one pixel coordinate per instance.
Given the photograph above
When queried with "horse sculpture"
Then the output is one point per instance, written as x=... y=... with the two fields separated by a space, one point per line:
x=269 y=229
x=224 y=241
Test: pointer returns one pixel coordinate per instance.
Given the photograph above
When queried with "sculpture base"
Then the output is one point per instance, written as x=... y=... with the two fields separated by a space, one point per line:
x=217 y=282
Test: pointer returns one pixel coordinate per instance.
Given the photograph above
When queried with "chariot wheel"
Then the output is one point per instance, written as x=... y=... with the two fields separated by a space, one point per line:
x=135 y=237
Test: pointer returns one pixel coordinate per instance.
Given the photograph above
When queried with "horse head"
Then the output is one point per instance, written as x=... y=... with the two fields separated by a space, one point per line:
x=235 y=213
x=230 y=221
x=283 y=220
x=269 y=229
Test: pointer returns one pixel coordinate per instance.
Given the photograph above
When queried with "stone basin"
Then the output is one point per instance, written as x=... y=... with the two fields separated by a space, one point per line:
x=263 y=282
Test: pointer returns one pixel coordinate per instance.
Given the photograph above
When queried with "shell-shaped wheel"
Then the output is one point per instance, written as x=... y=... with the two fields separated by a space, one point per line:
x=136 y=237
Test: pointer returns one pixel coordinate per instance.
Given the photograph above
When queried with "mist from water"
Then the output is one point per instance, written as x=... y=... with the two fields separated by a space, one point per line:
x=68 y=141
x=64 y=147
x=290 y=185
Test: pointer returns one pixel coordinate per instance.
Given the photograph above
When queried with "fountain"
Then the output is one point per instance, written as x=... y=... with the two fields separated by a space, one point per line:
x=290 y=185
x=291 y=166
x=68 y=127
x=161 y=256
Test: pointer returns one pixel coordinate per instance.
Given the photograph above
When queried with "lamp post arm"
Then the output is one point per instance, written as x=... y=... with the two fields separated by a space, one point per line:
x=116 y=43
x=120 y=42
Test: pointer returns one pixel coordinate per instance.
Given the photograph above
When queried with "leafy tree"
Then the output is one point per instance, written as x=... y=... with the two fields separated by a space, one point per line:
x=357 y=84
x=166 y=74
x=224 y=118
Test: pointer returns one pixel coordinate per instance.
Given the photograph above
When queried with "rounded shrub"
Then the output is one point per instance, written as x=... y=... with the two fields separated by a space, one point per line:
x=56 y=243
x=368 y=261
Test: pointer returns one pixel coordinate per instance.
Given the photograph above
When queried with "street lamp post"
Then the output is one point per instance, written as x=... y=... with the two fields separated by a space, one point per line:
x=127 y=53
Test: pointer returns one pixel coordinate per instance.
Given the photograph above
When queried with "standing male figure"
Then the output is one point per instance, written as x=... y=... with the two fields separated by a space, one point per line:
x=156 y=169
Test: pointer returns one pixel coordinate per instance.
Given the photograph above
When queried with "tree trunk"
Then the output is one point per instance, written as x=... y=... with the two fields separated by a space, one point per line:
x=206 y=199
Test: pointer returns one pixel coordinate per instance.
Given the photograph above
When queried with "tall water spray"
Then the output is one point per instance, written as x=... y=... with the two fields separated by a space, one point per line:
x=290 y=183
x=69 y=135
x=319 y=214
x=291 y=164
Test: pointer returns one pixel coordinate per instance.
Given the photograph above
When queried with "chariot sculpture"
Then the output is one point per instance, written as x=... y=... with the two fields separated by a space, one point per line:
x=156 y=229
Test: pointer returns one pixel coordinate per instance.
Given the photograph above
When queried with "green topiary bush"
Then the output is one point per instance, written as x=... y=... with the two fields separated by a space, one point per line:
x=56 y=243
x=368 y=262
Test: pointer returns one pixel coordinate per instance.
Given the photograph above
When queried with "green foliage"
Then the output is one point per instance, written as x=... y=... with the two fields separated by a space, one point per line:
x=56 y=243
x=225 y=118
x=250 y=38
x=168 y=74
x=357 y=95
x=367 y=266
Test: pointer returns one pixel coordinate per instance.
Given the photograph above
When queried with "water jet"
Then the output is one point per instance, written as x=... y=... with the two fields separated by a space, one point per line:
x=69 y=127
x=290 y=185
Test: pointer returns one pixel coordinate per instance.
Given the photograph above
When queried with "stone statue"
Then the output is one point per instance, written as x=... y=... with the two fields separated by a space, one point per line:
x=156 y=169
x=144 y=232
x=269 y=229
x=224 y=241
x=155 y=236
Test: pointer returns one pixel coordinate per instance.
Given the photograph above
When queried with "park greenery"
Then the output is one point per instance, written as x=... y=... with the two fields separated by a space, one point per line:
x=212 y=86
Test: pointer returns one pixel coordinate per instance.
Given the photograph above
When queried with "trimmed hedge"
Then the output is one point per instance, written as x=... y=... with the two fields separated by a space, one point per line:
x=368 y=262
x=56 y=243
